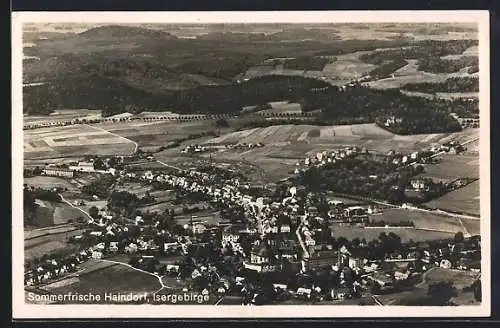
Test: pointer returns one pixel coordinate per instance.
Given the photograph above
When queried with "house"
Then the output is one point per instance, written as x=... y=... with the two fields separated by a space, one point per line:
x=383 y=280
x=113 y=246
x=419 y=184
x=199 y=228
x=231 y=234
x=262 y=259
x=285 y=228
x=280 y=287
x=340 y=293
x=354 y=211
x=322 y=259
x=303 y=292
x=58 y=172
x=445 y=264
x=355 y=262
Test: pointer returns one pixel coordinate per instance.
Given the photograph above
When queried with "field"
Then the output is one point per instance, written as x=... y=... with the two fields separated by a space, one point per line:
x=62 y=115
x=452 y=167
x=206 y=217
x=47 y=182
x=459 y=278
x=75 y=140
x=465 y=200
x=283 y=107
x=54 y=213
x=411 y=74
x=138 y=189
x=284 y=145
x=339 y=70
x=417 y=235
x=150 y=134
x=49 y=243
x=428 y=221
x=113 y=278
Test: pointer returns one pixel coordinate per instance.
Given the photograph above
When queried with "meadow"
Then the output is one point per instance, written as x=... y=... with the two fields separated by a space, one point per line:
x=451 y=167
x=49 y=242
x=110 y=279
x=465 y=200
x=428 y=221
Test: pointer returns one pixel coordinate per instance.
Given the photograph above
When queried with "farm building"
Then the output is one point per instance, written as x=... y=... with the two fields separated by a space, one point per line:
x=58 y=172
x=419 y=185
x=83 y=167
x=354 y=211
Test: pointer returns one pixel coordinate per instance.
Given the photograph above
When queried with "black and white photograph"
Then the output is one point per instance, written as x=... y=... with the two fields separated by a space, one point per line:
x=267 y=164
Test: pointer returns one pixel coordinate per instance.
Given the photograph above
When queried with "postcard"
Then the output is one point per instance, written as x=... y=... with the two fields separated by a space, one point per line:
x=250 y=164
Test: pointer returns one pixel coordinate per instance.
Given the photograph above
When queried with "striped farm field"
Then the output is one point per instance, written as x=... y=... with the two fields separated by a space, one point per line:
x=369 y=135
x=74 y=140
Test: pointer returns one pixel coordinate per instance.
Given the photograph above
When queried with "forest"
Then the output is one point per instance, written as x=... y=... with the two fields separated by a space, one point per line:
x=420 y=50
x=452 y=84
x=360 y=104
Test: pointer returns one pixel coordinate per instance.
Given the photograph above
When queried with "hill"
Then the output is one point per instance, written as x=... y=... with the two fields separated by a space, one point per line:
x=89 y=91
x=120 y=31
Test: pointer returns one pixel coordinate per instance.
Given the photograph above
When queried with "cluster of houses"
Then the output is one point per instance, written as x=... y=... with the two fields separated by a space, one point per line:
x=324 y=157
x=467 y=122
x=194 y=149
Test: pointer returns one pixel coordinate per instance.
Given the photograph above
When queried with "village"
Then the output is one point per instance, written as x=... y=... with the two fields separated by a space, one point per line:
x=273 y=245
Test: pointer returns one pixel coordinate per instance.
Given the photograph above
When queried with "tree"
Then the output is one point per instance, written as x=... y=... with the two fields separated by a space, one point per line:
x=476 y=288
x=221 y=123
x=94 y=212
x=459 y=237
x=441 y=292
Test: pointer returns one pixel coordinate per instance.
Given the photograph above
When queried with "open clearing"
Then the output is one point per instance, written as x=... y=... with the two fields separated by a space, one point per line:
x=73 y=140
x=348 y=66
x=465 y=200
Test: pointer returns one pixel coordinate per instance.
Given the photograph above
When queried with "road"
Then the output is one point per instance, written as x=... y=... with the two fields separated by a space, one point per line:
x=78 y=208
x=374 y=297
x=170 y=166
x=136 y=145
